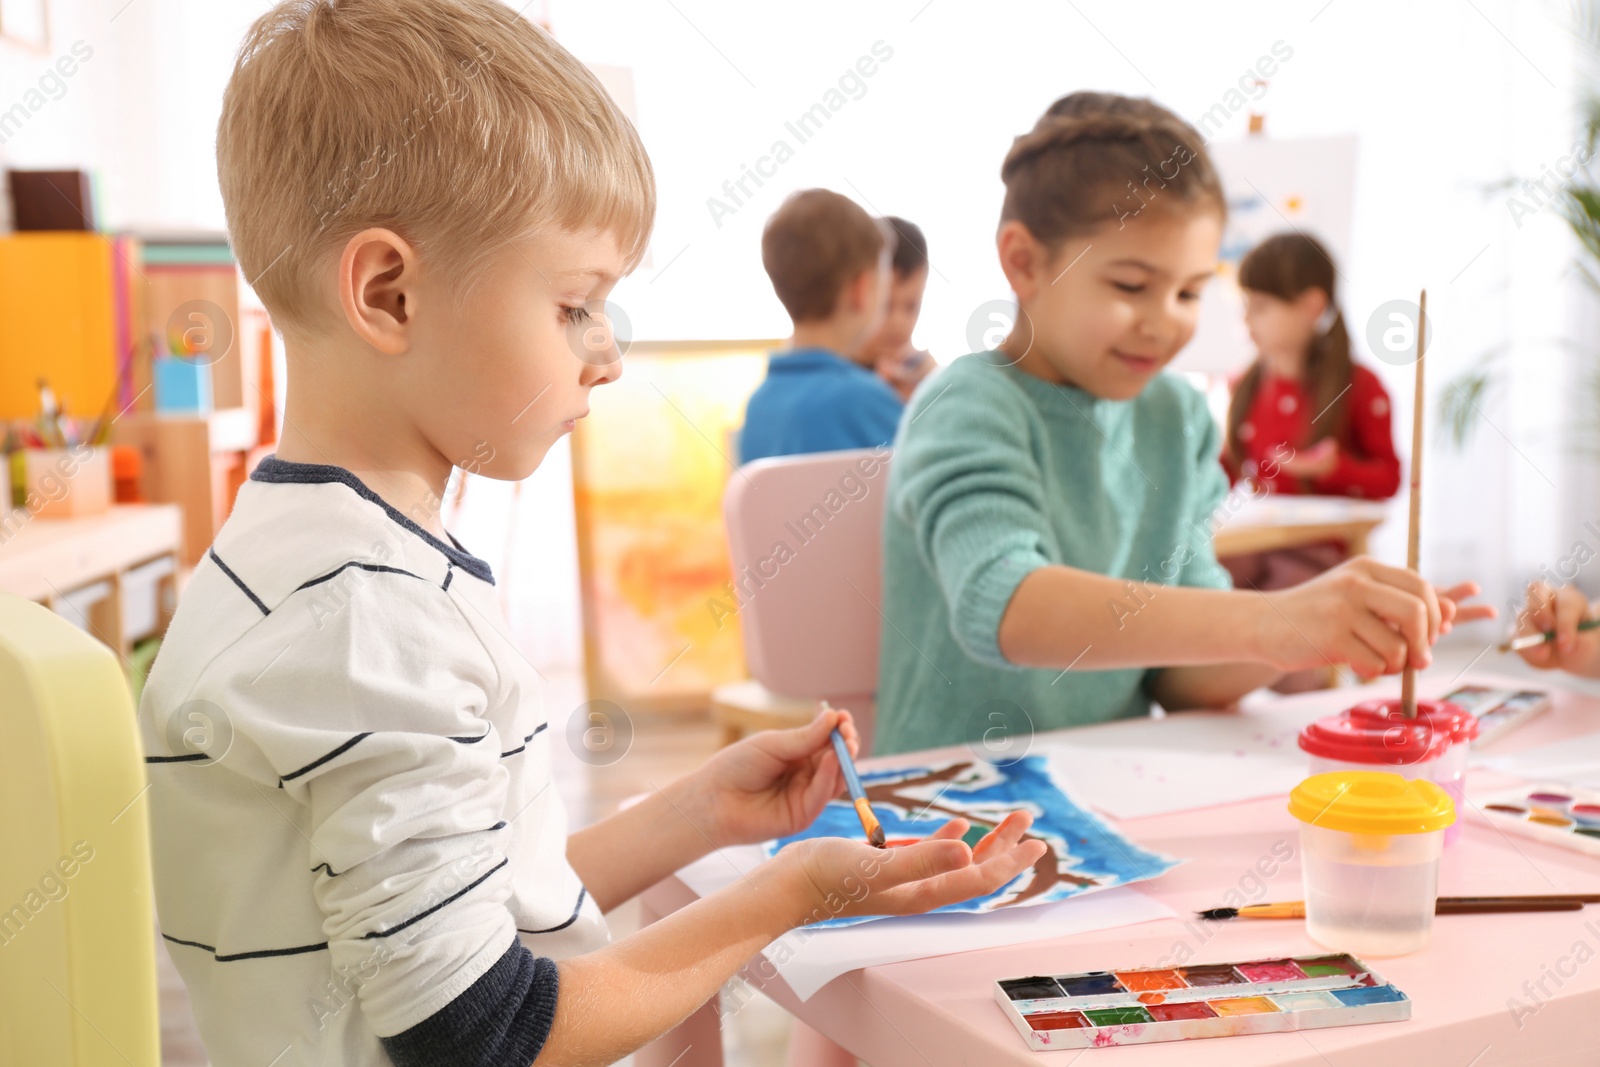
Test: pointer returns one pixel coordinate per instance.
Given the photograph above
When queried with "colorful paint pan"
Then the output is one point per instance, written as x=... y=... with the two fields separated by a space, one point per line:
x=1557 y=814
x=1222 y=974
x=1585 y=814
x=1130 y=1006
x=1167 y=1013
x=1301 y=1001
x=1150 y=981
x=1243 y=1006
x=1272 y=971
x=1031 y=988
x=1088 y=985
x=1323 y=966
x=1117 y=1016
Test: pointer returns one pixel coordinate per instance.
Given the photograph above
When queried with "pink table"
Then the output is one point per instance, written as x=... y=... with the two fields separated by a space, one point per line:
x=1491 y=990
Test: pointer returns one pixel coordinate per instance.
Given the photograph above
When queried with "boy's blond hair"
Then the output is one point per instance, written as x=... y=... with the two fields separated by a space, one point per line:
x=456 y=123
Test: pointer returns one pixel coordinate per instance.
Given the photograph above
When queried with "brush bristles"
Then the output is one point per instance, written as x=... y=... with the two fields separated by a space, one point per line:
x=1219 y=913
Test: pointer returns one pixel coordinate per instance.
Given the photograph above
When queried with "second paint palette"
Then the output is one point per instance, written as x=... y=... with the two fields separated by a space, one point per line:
x=1553 y=813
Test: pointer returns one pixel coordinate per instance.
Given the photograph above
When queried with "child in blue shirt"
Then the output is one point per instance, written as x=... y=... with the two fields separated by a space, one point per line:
x=829 y=264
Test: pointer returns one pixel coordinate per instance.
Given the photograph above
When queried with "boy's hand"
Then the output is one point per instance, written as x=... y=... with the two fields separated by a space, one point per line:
x=830 y=877
x=1560 y=610
x=772 y=783
x=1376 y=618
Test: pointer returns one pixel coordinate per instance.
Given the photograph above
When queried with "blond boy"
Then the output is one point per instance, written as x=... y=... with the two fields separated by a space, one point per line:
x=359 y=857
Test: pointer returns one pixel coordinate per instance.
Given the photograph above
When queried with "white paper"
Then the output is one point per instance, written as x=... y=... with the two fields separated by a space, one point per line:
x=810 y=959
x=1575 y=761
x=1280 y=510
x=821 y=956
x=1182 y=762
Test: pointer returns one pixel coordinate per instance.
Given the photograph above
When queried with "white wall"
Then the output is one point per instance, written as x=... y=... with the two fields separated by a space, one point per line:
x=1447 y=98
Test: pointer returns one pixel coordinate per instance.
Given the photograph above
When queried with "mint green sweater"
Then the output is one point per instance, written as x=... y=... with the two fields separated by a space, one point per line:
x=997 y=473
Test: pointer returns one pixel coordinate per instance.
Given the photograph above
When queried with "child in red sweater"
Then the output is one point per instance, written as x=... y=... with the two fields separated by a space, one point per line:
x=1304 y=417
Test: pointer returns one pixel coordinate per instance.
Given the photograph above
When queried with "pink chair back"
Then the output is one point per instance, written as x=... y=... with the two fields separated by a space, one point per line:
x=805 y=534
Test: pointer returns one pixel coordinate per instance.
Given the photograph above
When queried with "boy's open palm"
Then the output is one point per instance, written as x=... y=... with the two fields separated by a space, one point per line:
x=837 y=877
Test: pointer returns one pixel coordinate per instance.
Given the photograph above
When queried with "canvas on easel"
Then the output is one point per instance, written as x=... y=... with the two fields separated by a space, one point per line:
x=1272 y=185
x=649 y=466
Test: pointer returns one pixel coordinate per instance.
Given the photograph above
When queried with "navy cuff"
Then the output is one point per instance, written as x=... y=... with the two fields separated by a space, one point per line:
x=502 y=1020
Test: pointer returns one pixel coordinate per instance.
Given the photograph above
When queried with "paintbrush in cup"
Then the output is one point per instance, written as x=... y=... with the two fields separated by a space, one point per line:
x=852 y=781
x=1408 y=680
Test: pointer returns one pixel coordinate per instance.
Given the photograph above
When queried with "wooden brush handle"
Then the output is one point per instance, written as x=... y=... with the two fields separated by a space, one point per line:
x=1586 y=898
x=1469 y=906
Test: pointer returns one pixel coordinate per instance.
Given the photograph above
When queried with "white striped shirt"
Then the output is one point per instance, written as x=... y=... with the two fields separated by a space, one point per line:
x=351 y=802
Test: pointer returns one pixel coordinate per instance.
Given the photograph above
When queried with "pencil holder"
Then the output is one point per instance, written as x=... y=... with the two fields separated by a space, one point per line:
x=67 y=483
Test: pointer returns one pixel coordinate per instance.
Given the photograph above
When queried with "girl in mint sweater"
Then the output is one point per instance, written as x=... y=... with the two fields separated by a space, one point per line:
x=1048 y=558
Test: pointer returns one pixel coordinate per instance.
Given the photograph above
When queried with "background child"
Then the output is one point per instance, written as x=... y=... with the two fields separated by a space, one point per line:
x=367 y=863
x=1305 y=417
x=829 y=264
x=889 y=349
x=1548 y=608
x=1047 y=547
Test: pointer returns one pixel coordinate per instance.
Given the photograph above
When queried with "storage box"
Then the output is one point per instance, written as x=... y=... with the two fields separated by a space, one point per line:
x=183 y=387
x=67 y=483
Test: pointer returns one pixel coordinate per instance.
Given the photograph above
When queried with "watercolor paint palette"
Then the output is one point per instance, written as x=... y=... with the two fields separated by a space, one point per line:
x=1558 y=814
x=1498 y=711
x=1141 y=1005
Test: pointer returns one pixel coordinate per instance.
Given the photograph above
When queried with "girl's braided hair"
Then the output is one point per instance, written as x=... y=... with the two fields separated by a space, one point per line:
x=1094 y=157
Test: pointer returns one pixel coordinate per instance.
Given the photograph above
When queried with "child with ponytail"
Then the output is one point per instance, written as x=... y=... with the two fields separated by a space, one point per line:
x=1047 y=543
x=1305 y=418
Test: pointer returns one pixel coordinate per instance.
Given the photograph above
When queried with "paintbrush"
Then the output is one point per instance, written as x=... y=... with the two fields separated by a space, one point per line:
x=1517 y=644
x=1296 y=909
x=1408 y=680
x=852 y=781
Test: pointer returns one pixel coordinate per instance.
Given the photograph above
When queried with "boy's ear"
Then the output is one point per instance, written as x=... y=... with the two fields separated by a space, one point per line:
x=378 y=288
x=858 y=294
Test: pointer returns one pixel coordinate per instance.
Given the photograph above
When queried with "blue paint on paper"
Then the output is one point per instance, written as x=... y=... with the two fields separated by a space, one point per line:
x=1085 y=847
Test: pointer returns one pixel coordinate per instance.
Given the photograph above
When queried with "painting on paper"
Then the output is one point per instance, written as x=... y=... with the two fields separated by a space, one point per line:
x=1084 y=853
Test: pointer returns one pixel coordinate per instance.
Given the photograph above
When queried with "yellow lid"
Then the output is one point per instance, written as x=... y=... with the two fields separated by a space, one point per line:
x=1371 y=802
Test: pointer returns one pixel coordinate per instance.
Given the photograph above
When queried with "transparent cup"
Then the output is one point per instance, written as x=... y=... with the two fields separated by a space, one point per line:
x=1370 y=894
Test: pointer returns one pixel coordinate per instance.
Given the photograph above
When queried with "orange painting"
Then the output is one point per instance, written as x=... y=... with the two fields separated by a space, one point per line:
x=649 y=467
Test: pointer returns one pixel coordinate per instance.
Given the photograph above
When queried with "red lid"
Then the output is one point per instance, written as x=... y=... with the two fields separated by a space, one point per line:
x=1447 y=718
x=1338 y=738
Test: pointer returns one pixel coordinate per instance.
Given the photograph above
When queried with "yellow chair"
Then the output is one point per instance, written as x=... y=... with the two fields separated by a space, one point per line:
x=77 y=955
